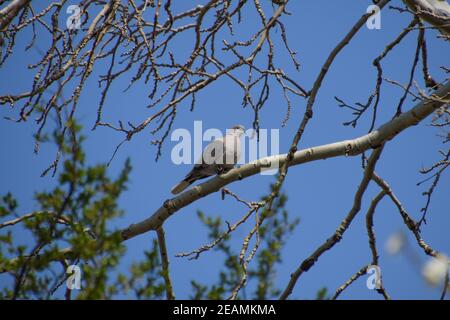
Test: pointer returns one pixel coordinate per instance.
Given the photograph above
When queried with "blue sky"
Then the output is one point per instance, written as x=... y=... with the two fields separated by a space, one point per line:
x=319 y=193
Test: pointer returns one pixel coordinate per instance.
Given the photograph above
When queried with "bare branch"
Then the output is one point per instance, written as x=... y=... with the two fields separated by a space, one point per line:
x=59 y=218
x=337 y=235
x=8 y=13
x=372 y=240
x=409 y=222
x=352 y=279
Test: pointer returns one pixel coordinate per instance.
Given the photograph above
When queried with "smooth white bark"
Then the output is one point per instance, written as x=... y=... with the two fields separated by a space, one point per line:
x=10 y=11
x=342 y=148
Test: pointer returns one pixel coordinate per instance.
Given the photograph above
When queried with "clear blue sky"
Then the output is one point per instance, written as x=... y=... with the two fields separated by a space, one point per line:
x=320 y=193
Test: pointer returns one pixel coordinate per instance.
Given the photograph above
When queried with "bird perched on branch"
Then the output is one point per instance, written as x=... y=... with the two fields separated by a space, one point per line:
x=220 y=156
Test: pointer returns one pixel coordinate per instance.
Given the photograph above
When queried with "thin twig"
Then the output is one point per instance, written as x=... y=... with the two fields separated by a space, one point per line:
x=337 y=235
x=165 y=263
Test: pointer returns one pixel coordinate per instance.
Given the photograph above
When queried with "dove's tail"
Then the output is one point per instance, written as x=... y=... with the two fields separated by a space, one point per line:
x=192 y=176
x=181 y=186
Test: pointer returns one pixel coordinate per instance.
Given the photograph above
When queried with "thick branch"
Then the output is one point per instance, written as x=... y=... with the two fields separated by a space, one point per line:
x=8 y=13
x=343 y=148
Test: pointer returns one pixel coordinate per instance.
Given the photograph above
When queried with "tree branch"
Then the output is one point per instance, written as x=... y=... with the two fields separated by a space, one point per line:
x=352 y=279
x=343 y=148
x=409 y=222
x=372 y=240
x=58 y=218
x=8 y=13
x=337 y=235
x=165 y=263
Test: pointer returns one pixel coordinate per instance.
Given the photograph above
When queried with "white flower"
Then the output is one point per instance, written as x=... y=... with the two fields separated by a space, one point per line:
x=395 y=243
x=435 y=270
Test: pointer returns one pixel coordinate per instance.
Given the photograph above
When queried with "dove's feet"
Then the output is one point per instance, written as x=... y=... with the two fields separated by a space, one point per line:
x=221 y=170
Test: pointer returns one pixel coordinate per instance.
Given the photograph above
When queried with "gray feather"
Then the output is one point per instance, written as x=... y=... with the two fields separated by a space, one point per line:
x=220 y=156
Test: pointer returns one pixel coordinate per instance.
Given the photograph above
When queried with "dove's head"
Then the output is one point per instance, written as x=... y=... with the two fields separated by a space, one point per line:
x=238 y=130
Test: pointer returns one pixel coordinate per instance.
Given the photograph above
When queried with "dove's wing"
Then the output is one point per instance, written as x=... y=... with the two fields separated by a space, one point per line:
x=232 y=149
x=204 y=167
x=219 y=156
x=213 y=153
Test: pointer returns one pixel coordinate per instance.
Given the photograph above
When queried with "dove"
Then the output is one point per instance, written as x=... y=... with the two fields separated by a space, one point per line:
x=220 y=156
